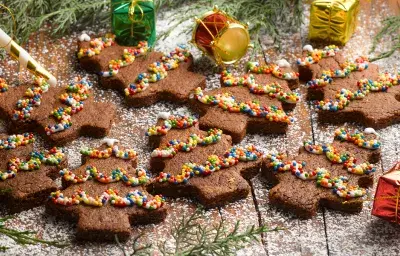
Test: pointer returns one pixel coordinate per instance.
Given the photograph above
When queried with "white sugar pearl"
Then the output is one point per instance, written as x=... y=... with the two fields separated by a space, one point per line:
x=308 y=48
x=84 y=37
x=163 y=115
x=370 y=130
x=283 y=63
x=109 y=142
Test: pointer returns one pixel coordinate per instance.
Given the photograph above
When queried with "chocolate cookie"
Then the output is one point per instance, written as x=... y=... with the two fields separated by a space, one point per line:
x=333 y=176
x=350 y=91
x=253 y=103
x=59 y=114
x=144 y=80
x=198 y=164
x=106 y=195
x=26 y=176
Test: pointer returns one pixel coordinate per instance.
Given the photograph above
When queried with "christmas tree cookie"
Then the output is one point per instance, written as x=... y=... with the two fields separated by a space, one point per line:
x=332 y=175
x=346 y=91
x=254 y=103
x=60 y=114
x=106 y=194
x=143 y=79
x=202 y=165
x=26 y=176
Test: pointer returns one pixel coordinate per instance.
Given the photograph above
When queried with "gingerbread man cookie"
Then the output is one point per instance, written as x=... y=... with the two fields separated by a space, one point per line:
x=59 y=114
x=346 y=91
x=106 y=195
x=332 y=175
x=144 y=80
x=201 y=165
x=26 y=176
x=254 y=103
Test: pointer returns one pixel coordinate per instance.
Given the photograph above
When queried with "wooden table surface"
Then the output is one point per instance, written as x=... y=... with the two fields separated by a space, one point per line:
x=329 y=233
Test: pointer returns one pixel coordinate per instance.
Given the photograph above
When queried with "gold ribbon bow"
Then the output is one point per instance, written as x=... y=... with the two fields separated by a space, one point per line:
x=131 y=12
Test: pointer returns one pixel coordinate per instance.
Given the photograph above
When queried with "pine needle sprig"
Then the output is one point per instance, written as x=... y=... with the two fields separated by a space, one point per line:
x=391 y=27
x=137 y=248
x=25 y=237
x=193 y=238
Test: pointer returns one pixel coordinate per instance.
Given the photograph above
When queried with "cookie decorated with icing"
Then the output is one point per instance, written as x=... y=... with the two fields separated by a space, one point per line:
x=202 y=165
x=60 y=114
x=256 y=102
x=106 y=195
x=351 y=91
x=144 y=77
x=333 y=175
x=26 y=175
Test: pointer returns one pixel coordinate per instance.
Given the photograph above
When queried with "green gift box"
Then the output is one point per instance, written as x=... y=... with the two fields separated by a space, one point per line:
x=133 y=21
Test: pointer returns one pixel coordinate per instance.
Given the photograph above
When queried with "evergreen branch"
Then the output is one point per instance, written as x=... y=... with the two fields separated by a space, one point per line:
x=24 y=237
x=193 y=238
x=391 y=27
x=63 y=15
x=136 y=247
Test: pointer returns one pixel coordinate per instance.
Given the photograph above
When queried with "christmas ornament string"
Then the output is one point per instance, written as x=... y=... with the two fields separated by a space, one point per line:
x=19 y=54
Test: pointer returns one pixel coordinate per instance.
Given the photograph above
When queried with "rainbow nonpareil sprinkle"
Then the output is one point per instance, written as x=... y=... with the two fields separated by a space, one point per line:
x=316 y=55
x=173 y=122
x=111 y=196
x=126 y=154
x=118 y=174
x=273 y=90
x=128 y=58
x=96 y=46
x=339 y=185
x=273 y=69
x=174 y=146
x=345 y=96
x=214 y=163
x=32 y=98
x=77 y=93
x=360 y=64
x=252 y=108
x=51 y=157
x=3 y=85
x=348 y=161
x=357 y=138
x=158 y=70
x=17 y=140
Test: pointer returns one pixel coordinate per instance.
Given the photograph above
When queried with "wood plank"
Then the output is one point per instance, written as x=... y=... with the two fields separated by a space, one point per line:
x=362 y=234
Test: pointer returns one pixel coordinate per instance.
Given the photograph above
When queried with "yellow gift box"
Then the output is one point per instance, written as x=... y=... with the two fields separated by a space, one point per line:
x=333 y=21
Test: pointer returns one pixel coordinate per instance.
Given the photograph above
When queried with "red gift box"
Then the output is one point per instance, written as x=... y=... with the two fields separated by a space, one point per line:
x=387 y=196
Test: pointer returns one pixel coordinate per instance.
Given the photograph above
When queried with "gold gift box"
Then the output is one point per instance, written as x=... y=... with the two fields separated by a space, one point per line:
x=333 y=21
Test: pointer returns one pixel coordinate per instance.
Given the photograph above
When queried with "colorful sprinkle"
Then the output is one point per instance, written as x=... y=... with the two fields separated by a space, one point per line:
x=360 y=64
x=3 y=85
x=126 y=154
x=345 y=96
x=273 y=90
x=339 y=185
x=252 y=108
x=32 y=98
x=273 y=69
x=128 y=58
x=316 y=55
x=96 y=46
x=77 y=92
x=133 y=198
x=158 y=70
x=174 y=146
x=173 y=122
x=17 y=140
x=118 y=174
x=357 y=138
x=51 y=157
x=214 y=163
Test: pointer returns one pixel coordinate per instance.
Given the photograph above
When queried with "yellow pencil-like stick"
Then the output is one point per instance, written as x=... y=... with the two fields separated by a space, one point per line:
x=18 y=53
